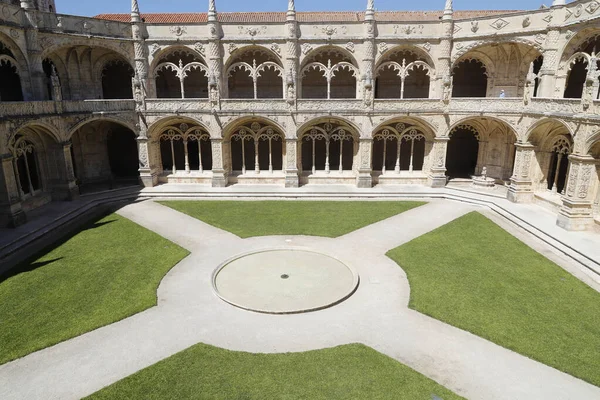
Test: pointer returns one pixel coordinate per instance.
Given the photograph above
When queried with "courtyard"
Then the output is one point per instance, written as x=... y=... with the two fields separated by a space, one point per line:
x=443 y=299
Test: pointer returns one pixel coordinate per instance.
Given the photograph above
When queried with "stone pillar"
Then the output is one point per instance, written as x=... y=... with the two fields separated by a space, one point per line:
x=34 y=52
x=291 y=163
x=148 y=171
x=67 y=187
x=444 y=74
x=521 y=183
x=291 y=58
x=576 y=213
x=549 y=67
x=219 y=178
x=437 y=174
x=365 y=149
x=10 y=199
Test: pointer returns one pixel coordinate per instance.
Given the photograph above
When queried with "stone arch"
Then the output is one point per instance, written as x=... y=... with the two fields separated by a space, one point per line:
x=254 y=145
x=119 y=85
x=180 y=72
x=35 y=151
x=84 y=121
x=490 y=42
x=328 y=145
x=404 y=72
x=162 y=53
x=550 y=166
x=105 y=154
x=478 y=142
x=184 y=145
x=422 y=123
x=329 y=72
x=470 y=77
x=230 y=127
x=254 y=72
x=22 y=64
x=418 y=51
x=577 y=43
x=11 y=75
x=75 y=42
x=401 y=146
x=160 y=124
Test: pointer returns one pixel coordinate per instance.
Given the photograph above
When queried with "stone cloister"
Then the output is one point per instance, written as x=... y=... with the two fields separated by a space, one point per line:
x=293 y=98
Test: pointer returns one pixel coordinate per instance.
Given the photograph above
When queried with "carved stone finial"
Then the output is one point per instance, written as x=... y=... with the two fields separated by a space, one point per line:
x=212 y=11
x=558 y=3
x=448 y=10
x=291 y=11
x=370 y=13
x=135 y=11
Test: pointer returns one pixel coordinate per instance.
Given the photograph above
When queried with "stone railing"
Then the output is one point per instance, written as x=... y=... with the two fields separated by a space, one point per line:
x=33 y=108
x=84 y=25
x=558 y=107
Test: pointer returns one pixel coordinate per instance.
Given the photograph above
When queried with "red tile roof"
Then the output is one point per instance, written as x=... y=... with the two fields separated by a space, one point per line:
x=274 y=17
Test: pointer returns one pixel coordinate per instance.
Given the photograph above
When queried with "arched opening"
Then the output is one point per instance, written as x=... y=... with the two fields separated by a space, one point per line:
x=105 y=155
x=327 y=147
x=469 y=79
x=463 y=151
x=576 y=79
x=10 y=80
x=559 y=164
x=581 y=61
x=255 y=73
x=329 y=74
x=549 y=170
x=181 y=73
x=255 y=148
x=398 y=148
x=185 y=148
x=116 y=80
x=402 y=74
x=26 y=167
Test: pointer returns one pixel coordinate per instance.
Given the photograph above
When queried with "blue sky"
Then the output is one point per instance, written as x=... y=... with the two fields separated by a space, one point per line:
x=89 y=7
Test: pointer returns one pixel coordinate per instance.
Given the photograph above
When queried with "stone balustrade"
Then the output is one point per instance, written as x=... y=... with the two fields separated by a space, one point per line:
x=39 y=108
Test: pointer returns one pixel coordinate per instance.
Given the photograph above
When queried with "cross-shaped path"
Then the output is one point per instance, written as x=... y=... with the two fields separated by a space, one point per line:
x=377 y=315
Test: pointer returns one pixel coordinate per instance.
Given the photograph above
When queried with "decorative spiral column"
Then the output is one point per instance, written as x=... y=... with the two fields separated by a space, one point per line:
x=444 y=74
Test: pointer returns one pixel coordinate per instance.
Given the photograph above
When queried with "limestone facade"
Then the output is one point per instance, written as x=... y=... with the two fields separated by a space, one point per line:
x=291 y=98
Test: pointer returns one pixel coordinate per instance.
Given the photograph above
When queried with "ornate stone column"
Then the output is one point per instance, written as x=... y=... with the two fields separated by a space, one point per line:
x=218 y=168
x=291 y=58
x=34 y=52
x=141 y=56
x=10 y=199
x=365 y=150
x=437 y=173
x=521 y=183
x=444 y=74
x=218 y=86
x=547 y=74
x=576 y=213
x=368 y=78
x=291 y=163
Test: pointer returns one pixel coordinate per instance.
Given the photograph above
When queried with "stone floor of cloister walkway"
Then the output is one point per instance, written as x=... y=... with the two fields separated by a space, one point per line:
x=376 y=315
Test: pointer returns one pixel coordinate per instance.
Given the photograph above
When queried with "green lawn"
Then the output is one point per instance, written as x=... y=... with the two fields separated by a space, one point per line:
x=474 y=275
x=312 y=218
x=106 y=272
x=346 y=372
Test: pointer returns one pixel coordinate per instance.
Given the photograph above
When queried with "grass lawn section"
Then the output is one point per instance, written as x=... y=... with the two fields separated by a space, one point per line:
x=346 y=372
x=312 y=218
x=474 y=275
x=108 y=271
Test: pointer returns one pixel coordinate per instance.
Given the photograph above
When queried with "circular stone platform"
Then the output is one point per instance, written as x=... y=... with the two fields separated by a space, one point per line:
x=284 y=281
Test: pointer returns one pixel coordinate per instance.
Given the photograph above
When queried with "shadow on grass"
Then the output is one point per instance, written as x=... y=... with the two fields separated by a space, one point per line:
x=32 y=263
